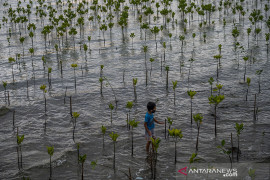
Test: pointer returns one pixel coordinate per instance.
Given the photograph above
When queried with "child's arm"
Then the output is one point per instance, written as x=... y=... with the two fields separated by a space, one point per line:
x=149 y=132
x=158 y=121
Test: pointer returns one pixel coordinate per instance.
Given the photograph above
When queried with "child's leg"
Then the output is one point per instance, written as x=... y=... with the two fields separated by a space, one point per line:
x=147 y=146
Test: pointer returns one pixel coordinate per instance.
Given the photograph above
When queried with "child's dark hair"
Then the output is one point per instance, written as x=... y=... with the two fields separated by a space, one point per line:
x=151 y=106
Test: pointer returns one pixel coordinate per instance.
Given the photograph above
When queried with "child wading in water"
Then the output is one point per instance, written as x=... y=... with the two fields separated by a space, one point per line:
x=149 y=124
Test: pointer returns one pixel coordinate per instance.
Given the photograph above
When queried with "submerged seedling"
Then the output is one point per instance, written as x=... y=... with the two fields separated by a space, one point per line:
x=191 y=94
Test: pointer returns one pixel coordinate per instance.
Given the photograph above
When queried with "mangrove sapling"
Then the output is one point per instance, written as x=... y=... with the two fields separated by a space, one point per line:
x=225 y=151
x=198 y=119
x=11 y=61
x=177 y=135
x=216 y=100
x=50 y=152
x=103 y=130
x=111 y=108
x=155 y=30
x=218 y=57
x=103 y=28
x=248 y=32
x=155 y=143
x=132 y=35
x=114 y=137
x=75 y=115
x=211 y=80
x=5 y=89
x=167 y=77
x=74 y=66
x=191 y=94
x=85 y=50
x=248 y=83
x=245 y=59
x=164 y=50
x=22 y=41
x=151 y=60
x=145 y=26
x=218 y=88
x=174 y=87
x=170 y=121
x=135 y=80
x=19 y=150
x=145 y=49
x=239 y=128
x=89 y=40
x=101 y=70
x=235 y=34
x=101 y=83
x=259 y=72
x=204 y=37
x=251 y=173
x=49 y=78
x=133 y=124
x=43 y=88
x=193 y=36
x=182 y=38
x=82 y=160
x=129 y=106
x=31 y=50
x=267 y=40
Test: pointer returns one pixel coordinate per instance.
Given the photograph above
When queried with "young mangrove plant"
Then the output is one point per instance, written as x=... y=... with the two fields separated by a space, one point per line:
x=164 y=50
x=101 y=83
x=239 y=128
x=103 y=130
x=11 y=60
x=216 y=100
x=133 y=124
x=155 y=143
x=225 y=151
x=218 y=57
x=211 y=80
x=50 y=152
x=245 y=59
x=114 y=137
x=167 y=77
x=74 y=66
x=5 y=89
x=248 y=83
x=174 y=87
x=43 y=88
x=259 y=72
x=49 y=77
x=191 y=94
x=75 y=115
x=19 y=150
x=198 y=119
x=177 y=135
x=151 y=61
x=82 y=160
x=111 y=108
x=135 y=80
x=218 y=88
x=170 y=121
x=129 y=107
x=132 y=35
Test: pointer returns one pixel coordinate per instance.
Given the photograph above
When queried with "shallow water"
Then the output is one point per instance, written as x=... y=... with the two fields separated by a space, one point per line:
x=120 y=58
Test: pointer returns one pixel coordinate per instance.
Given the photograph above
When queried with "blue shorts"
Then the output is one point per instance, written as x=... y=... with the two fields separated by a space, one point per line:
x=147 y=137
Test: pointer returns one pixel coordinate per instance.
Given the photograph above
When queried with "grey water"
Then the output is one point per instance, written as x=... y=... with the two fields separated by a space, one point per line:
x=122 y=63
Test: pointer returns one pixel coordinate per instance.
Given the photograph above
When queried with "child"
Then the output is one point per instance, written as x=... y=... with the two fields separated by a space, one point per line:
x=149 y=124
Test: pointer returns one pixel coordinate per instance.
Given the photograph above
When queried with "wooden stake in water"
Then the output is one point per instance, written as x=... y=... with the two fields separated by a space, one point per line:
x=232 y=145
x=27 y=89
